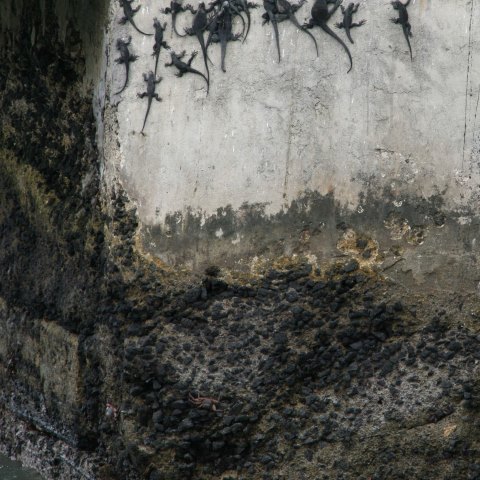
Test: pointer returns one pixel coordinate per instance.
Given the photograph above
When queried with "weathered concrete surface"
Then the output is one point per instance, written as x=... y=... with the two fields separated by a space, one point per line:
x=334 y=372
x=270 y=134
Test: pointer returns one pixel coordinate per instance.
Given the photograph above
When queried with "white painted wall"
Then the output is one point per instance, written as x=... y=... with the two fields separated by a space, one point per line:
x=268 y=132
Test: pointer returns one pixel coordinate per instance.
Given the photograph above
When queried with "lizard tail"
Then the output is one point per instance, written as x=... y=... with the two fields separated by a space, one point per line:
x=203 y=76
x=275 y=28
x=204 y=51
x=409 y=47
x=156 y=62
x=125 y=84
x=146 y=115
x=123 y=88
x=175 y=30
x=139 y=31
x=294 y=20
x=249 y=21
x=349 y=35
x=244 y=25
x=328 y=30
x=223 y=53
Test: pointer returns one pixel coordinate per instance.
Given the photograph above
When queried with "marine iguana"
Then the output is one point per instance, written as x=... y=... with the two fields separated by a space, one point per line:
x=150 y=93
x=286 y=8
x=347 y=22
x=270 y=16
x=232 y=7
x=129 y=12
x=199 y=25
x=321 y=15
x=403 y=21
x=224 y=33
x=126 y=58
x=159 y=42
x=174 y=9
x=185 y=67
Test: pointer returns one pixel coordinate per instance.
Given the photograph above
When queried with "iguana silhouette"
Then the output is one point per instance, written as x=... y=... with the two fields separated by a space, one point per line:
x=199 y=25
x=321 y=15
x=159 y=42
x=126 y=58
x=223 y=30
x=174 y=9
x=185 y=67
x=403 y=21
x=129 y=12
x=347 y=22
x=150 y=93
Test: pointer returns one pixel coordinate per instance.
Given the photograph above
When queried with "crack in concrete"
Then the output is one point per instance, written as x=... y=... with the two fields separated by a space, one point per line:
x=468 y=78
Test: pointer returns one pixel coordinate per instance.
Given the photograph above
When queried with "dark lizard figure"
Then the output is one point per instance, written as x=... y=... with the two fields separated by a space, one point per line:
x=159 y=42
x=286 y=8
x=224 y=31
x=321 y=15
x=245 y=6
x=270 y=16
x=347 y=22
x=403 y=21
x=185 y=67
x=174 y=9
x=126 y=58
x=129 y=12
x=213 y=21
x=232 y=7
x=199 y=25
x=150 y=93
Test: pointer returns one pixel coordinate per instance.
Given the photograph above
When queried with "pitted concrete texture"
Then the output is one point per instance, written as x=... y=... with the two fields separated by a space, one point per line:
x=268 y=131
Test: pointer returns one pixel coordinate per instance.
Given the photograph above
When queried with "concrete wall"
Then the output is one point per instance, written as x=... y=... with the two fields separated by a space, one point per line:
x=390 y=134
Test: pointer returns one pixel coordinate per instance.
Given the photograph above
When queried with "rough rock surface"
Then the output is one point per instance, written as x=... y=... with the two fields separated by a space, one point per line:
x=294 y=371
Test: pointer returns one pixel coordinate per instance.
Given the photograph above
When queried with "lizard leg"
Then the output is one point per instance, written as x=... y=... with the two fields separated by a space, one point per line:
x=123 y=21
x=169 y=64
x=339 y=25
x=192 y=56
x=142 y=95
x=359 y=24
x=135 y=10
x=179 y=74
x=395 y=20
x=157 y=98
